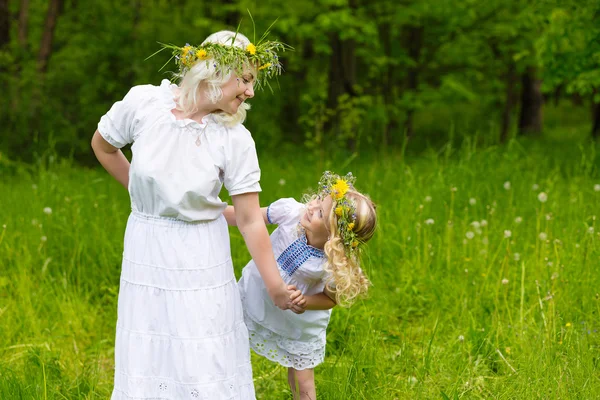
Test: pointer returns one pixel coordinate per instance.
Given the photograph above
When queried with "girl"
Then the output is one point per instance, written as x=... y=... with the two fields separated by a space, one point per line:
x=317 y=246
x=180 y=328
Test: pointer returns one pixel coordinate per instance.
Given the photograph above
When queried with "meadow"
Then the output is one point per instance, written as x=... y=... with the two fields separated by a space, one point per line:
x=484 y=271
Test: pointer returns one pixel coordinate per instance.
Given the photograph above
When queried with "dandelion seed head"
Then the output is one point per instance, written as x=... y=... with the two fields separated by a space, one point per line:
x=44 y=238
x=47 y=210
x=507 y=233
x=281 y=182
x=507 y=185
x=428 y=199
x=543 y=197
x=470 y=235
x=518 y=220
x=483 y=222
x=543 y=236
x=505 y=281
x=597 y=187
x=472 y=201
x=591 y=229
x=517 y=256
x=429 y=221
x=461 y=338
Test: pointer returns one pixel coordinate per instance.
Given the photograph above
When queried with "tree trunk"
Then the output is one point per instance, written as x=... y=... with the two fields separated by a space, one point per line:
x=595 y=119
x=231 y=16
x=23 y=23
x=4 y=24
x=530 y=121
x=342 y=74
x=387 y=84
x=414 y=37
x=290 y=101
x=54 y=9
x=509 y=102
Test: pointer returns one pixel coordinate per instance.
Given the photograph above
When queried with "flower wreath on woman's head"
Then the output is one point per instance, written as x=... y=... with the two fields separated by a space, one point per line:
x=227 y=58
x=337 y=187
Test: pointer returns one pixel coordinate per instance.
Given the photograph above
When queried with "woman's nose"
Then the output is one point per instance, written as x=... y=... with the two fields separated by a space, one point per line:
x=249 y=90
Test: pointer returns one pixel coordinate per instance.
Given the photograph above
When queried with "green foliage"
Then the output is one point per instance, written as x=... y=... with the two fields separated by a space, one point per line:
x=570 y=47
x=359 y=72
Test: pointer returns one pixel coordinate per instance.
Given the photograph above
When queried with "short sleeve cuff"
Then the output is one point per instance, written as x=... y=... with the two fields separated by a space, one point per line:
x=108 y=132
x=254 y=188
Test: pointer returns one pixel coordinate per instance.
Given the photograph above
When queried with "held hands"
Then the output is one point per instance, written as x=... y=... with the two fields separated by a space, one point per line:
x=288 y=298
x=298 y=300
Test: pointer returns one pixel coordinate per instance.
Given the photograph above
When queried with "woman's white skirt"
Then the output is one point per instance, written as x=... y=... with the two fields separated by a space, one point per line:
x=180 y=327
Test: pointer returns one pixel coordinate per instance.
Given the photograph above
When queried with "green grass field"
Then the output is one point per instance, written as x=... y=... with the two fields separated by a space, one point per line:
x=484 y=269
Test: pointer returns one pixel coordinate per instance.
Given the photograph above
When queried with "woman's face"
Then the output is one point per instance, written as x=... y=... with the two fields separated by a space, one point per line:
x=236 y=91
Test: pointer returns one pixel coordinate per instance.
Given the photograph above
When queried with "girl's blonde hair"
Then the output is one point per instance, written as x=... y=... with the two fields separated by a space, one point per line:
x=345 y=277
x=205 y=72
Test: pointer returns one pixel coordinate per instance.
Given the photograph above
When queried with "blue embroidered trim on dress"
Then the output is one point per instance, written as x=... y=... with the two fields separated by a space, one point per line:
x=269 y=214
x=296 y=254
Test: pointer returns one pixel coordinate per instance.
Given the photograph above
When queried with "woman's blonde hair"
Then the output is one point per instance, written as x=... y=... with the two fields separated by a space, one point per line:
x=345 y=277
x=205 y=72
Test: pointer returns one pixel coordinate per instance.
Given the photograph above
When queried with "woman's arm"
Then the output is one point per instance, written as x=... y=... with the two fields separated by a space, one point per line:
x=229 y=215
x=252 y=227
x=112 y=159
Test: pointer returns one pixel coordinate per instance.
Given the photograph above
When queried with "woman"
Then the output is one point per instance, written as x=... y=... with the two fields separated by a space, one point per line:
x=180 y=330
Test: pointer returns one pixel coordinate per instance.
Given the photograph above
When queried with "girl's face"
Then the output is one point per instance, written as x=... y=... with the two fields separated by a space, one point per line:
x=236 y=91
x=315 y=221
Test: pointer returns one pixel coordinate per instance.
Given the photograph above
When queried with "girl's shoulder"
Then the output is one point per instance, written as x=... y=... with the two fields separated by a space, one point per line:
x=284 y=211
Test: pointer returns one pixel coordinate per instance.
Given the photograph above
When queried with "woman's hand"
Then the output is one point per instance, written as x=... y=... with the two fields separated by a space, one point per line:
x=281 y=296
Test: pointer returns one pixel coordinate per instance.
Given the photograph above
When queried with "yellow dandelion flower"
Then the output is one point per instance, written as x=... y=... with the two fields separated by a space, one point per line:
x=267 y=65
x=355 y=243
x=202 y=54
x=351 y=226
x=339 y=210
x=185 y=51
x=340 y=189
x=251 y=49
x=568 y=324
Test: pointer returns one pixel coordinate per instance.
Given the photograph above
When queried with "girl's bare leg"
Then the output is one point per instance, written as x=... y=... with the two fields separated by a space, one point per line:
x=302 y=384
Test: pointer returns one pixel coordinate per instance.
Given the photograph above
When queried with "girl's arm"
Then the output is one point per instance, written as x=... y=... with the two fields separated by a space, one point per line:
x=321 y=301
x=229 y=215
x=251 y=225
x=111 y=158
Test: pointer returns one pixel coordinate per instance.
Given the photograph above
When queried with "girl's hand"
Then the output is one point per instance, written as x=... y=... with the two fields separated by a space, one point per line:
x=298 y=300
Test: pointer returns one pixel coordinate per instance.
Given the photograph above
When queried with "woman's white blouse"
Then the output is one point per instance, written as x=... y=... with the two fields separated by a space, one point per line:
x=179 y=166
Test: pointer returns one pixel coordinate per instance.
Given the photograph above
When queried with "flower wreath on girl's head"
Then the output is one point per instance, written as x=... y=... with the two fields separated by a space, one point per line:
x=337 y=187
x=226 y=58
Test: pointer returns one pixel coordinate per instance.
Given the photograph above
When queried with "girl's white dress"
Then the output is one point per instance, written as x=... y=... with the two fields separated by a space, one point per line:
x=292 y=340
x=180 y=328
